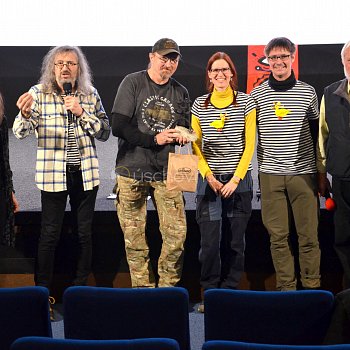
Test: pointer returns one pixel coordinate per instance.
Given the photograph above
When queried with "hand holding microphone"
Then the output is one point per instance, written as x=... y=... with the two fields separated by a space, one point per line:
x=71 y=102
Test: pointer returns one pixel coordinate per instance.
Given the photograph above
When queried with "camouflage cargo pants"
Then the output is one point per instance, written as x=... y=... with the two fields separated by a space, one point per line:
x=131 y=204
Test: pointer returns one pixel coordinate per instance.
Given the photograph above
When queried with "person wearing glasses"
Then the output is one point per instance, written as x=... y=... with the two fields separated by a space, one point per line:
x=66 y=113
x=286 y=108
x=225 y=121
x=8 y=202
x=148 y=106
x=333 y=156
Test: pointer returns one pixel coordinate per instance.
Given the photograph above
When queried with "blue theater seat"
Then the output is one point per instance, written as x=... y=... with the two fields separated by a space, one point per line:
x=233 y=345
x=294 y=317
x=127 y=313
x=40 y=343
x=24 y=312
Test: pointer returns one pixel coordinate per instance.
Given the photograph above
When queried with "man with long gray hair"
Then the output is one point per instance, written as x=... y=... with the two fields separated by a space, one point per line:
x=66 y=113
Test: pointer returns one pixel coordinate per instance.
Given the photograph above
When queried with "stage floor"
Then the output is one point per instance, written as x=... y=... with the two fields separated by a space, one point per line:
x=109 y=263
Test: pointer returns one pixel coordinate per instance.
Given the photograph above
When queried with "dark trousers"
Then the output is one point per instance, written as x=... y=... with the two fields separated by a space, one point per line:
x=3 y=210
x=53 y=208
x=341 y=195
x=222 y=223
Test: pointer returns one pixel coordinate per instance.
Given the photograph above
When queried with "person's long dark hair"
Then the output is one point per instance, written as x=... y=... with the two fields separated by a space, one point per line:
x=233 y=81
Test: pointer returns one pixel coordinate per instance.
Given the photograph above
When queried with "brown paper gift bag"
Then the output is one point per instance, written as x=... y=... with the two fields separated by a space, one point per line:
x=182 y=172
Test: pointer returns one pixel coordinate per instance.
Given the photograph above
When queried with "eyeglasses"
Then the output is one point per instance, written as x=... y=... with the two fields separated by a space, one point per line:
x=275 y=58
x=165 y=59
x=223 y=70
x=69 y=64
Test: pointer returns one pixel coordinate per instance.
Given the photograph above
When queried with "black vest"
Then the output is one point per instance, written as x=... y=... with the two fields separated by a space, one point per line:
x=337 y=107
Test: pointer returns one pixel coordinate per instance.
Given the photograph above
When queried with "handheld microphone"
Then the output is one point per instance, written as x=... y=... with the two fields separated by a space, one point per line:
x=67 y=87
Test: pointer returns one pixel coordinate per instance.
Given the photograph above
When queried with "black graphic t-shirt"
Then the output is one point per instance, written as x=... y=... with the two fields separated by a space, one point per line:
x=152 y=108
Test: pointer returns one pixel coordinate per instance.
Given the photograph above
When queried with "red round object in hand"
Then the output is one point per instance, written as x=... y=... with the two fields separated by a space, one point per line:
x=330 y=204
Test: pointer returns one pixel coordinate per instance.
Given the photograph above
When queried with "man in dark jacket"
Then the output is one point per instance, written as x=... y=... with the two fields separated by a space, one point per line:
x=8 y=201
x=333 y=157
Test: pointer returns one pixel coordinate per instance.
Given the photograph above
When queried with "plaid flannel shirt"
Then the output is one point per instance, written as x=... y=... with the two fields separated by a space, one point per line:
x=49 y=121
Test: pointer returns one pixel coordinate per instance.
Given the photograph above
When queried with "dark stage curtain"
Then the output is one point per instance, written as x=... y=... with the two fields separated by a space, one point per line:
x=319 y=65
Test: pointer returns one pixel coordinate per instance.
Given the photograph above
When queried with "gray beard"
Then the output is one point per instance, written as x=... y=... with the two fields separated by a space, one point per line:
x=62 y=81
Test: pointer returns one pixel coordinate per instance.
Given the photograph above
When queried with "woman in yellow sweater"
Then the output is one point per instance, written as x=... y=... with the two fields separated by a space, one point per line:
x=225 y=122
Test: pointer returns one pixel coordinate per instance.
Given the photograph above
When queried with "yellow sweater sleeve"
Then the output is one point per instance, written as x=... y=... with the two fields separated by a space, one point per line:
x=203 y=166
x=250 y=132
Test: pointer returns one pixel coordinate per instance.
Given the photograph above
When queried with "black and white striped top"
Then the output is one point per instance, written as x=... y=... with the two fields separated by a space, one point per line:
x=73 y=154
x=285 y=144
x=223 y=148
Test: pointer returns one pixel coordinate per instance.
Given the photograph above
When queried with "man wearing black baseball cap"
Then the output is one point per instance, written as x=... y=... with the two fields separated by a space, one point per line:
x=166 y=46
x=148 y=106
